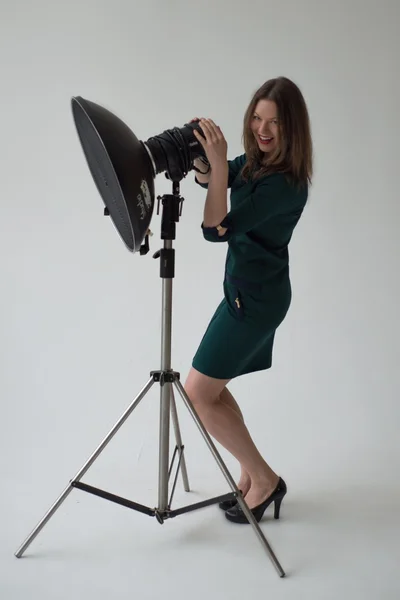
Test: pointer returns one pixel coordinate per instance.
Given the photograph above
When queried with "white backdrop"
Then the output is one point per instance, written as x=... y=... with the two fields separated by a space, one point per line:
x=81 y=316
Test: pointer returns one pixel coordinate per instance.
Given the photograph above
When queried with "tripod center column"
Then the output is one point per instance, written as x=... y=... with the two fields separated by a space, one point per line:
x=167 y=273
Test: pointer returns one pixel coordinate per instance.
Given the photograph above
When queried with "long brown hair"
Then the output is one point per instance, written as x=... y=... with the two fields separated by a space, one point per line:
x=294 y=154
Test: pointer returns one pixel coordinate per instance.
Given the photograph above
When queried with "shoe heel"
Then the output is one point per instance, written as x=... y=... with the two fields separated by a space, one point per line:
x=277 y=507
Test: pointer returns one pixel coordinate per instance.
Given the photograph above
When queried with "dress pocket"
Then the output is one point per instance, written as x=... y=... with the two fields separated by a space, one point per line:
x=238 y=304
x=234 y=300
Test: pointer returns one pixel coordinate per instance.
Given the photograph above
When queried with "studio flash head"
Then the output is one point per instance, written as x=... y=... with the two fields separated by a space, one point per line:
x=124 y=167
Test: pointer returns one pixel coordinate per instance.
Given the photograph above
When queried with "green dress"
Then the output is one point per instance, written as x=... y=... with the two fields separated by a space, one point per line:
x=256 y=286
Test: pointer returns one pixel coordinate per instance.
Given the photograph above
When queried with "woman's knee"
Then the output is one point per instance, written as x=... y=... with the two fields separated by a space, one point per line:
x=202 y=389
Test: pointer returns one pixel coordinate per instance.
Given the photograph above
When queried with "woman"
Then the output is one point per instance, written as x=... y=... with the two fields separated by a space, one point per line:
x=269 y=188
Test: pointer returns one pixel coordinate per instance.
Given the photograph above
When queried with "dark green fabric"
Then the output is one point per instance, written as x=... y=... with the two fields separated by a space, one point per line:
x=263 y=214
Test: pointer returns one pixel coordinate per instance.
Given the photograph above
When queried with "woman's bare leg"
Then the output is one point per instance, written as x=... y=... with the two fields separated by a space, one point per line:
x=227 y=398
x=228 y=428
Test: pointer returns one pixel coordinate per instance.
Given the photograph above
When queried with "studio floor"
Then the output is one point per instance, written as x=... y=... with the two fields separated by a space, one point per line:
x=341 y=542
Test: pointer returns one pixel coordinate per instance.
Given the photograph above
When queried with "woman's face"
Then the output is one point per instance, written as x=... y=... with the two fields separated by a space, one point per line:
x=264 y=125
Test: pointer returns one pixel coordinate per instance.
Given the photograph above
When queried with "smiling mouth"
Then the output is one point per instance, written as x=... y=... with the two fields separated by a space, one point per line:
x=265 y=140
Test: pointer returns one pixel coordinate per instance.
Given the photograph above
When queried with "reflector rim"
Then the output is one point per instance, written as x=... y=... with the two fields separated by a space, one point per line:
x=78 y=100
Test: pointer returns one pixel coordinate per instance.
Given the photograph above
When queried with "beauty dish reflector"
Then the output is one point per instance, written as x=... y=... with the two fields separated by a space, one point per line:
x=124 y=168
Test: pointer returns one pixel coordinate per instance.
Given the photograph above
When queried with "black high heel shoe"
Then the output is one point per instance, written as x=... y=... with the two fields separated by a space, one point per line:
x=236 y=515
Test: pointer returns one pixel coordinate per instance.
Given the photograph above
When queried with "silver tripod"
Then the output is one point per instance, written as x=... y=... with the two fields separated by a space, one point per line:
x=167 y=378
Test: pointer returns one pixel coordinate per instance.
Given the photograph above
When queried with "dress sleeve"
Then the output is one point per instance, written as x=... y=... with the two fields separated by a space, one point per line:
x=234 y=167
x=266 y=201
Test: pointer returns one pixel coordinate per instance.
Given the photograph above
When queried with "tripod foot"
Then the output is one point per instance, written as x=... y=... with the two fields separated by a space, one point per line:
x=44 y=520
x=159 y=517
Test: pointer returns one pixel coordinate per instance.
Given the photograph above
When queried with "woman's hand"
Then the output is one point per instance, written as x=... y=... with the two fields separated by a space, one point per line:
x=213 y=142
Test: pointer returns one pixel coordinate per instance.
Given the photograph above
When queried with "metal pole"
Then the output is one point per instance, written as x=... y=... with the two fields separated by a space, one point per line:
x=166 y=337
x=178 y=437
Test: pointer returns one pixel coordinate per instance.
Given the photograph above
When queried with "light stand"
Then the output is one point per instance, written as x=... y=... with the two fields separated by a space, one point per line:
x=166 y=377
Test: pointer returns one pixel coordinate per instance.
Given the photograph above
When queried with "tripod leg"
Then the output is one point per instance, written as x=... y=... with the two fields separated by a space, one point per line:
x=83 y=470
x=230 y=480
x=179 y=441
